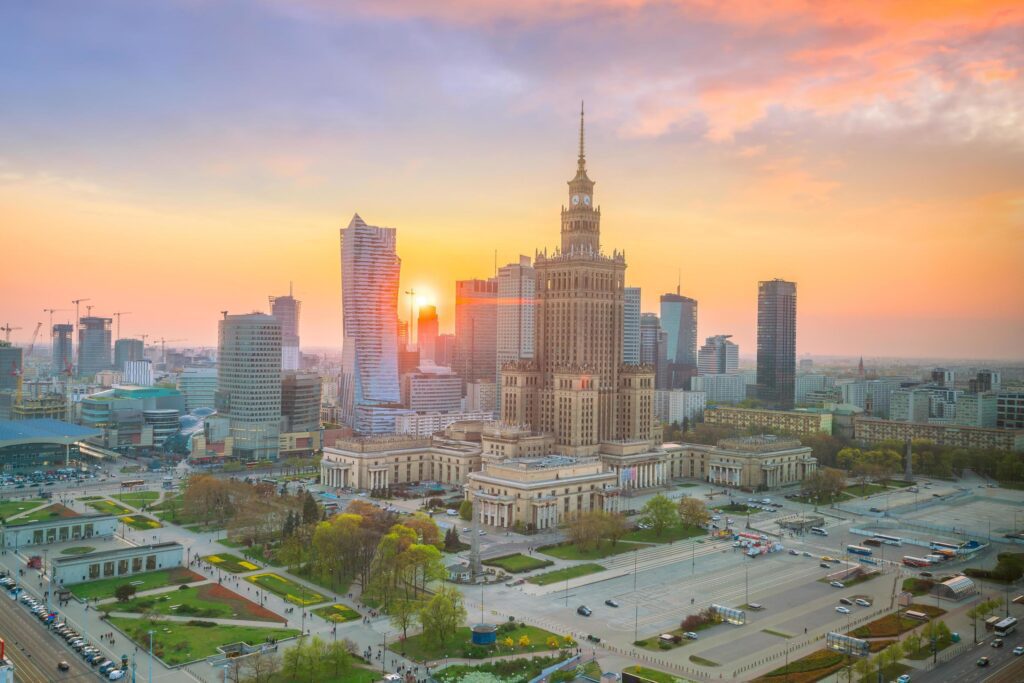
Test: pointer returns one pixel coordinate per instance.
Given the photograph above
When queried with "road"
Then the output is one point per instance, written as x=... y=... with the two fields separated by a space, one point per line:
x=964 y=669
x=34 y=650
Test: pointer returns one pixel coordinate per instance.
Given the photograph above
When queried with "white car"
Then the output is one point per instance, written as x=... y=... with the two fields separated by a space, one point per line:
x=836 y=584
x=862 y=602
x=690 y=635
x=843 y=610
x=392 y=677
x=116 y=674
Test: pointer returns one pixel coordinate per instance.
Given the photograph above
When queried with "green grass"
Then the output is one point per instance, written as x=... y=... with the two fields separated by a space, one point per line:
x=918 y=586
x=860 y=491
x=732 y=508
x=653 y=674
x=697 y=659
x=337 y=613
x=564 y=574
x=86 y=499
x=206 y=601
x=182 y=642
x=685 y=486
x=423 y=649
x=141 y=522
x=522 y=669
x=231 y=563
x=517 y=563
x=78 y=550
x=654 y=643
x=137 y=499
x=824 y=661
x=13 y=507
x=104 y=588
x=673 y=533
x=326 y=582
x=773 y=632
x=289 y=590
x=569 y=551
x=109 y=507
x=55 y=511
x=899 y=483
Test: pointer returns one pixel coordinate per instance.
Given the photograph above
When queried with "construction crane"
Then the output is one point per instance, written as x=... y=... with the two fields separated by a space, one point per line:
x=76 y=302
x=163 y=348
x=19 y=372
x=412 y=300
x=88 y=310
x=51 y=311
x=118 y=315
x=7 y=329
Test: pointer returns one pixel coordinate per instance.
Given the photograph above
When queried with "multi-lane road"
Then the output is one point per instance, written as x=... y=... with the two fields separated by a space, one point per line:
x=35 y=651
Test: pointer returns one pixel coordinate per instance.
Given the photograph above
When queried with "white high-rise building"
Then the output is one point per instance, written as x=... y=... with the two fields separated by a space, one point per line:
x=675 y=405
x=517 y=290
x=369 y=293
x=286 y=309
x=199 y=386
x=631 y=327
x=718 y=356
x=138 y=373
x=249 y=383
x=721 y=388
x=809 y=382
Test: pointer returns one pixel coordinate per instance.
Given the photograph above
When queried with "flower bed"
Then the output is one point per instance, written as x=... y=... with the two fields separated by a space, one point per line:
x=291 y=591
x=140 y=522
x=231 y=563
x=337 y=613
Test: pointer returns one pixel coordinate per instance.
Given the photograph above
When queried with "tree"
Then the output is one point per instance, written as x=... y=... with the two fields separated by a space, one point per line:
x=466 y=510
x=693 y=512
x=659 y=513
x=585 y=529
x=425 y=527
x=615 y=527
x=452 y=544
x=403 y=615
x=310 y=510
x=124 y=592
x=261 y=667
x=442 y=615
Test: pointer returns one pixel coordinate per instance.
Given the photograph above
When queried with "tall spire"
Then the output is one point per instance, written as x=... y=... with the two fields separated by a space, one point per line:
x=581 y=163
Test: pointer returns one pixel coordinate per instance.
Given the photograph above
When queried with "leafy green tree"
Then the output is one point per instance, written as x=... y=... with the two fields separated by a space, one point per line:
x=659 y=513
x=693 y=512
x=466 y=510
x=403 y=614
x=124 y=592
x=442 y=615
x=310 y=510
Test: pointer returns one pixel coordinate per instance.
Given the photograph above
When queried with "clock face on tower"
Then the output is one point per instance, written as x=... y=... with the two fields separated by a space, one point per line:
x=575 y=199
x=586 y=199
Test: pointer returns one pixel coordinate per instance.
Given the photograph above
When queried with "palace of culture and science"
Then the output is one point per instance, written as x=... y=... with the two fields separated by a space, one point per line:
x=577 y=429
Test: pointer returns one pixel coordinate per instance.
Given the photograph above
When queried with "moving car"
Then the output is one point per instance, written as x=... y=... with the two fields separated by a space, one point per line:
x=583 y=610
x=843 y=610
x=982 y=661
x=1019 y=650
x=998 y=642
x=825 y=566
x=807 y=554
x=690 y=635
x=63 y=666
x=611 y=603
x=793 y=552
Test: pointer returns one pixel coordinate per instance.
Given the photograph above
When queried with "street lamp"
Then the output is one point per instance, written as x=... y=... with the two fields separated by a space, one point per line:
x=150 y=656
x=746 y=582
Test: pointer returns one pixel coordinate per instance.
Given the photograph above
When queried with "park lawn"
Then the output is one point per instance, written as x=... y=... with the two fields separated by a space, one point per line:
x=177 y=642
x=326 y=582
x=13 y=507
x=899 y=483
x=917 y=586
x=860 y=491
x=460 y=646
x=569 y=551
x=141 y=522
x=677 y=532
x=813 y=667
x=653 y=674
x=104 y=588
x=733 y=508
x=518 y=563
x=521 y=669
x=354 y=675
x=654 y=644
x=565 y=574
x=137 y=499
x=210 y=600
x=231 y=563
x=49 y=512
x=885 y=627
x=337 y=613
x=291 y=591
x=78 y=550
x=932 y=611
x=861 y=579
x=109 y=507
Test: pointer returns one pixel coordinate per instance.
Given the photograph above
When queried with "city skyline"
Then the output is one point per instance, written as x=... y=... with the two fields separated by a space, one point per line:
x=873 y=193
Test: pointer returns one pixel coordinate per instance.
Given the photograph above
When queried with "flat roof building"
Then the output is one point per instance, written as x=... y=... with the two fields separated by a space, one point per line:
x=114 y=563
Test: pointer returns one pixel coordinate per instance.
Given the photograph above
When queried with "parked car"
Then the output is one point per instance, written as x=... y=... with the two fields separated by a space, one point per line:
x=846 y=601
x=843 y=610
x=115 y=675
x=583 y=610
x=611 y=603
x=794 y=552
x=905 y=678
x=807 y=554
x=836 y=584
x=690 y=635
x=862 y=602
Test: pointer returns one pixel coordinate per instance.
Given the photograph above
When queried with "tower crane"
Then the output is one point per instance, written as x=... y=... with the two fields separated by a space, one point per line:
x=7 y=329
x=163 y=348
x=118 y=315
x=20 y=372
x=51 y=311
x=77 y=303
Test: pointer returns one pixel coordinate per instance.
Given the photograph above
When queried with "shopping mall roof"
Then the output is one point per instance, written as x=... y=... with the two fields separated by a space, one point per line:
x=17 y=432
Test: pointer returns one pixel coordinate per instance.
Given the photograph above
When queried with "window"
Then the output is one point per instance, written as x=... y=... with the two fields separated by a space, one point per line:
x=150 y=562
x=122 y=567
x=136 y=564
x=108 y=568
x=94 y=571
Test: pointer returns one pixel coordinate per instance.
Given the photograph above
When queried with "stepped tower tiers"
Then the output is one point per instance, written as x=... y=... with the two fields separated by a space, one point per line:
x=574 y=387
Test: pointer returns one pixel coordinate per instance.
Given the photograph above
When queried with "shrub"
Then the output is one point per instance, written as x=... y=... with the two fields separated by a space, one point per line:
x=203 y=624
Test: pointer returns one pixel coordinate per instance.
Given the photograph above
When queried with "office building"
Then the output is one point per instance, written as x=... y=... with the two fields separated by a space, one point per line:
x=799 y=422
x=731 y=388
x=577 y=388
x=10 y=365
x=481 y=396
x=776 y=342
x=286 y=309
x=138 y=373
x=718 y=356
x=985 y=381
x=910 y=405
x=93 y=345
x=631 y=327
x=60 y=340
x=369 y=290
x=1010 y=410
x=131 y=416
x=445 y=352
x=977 y=410
x=127 y=350
x=249 y=383
x=425 y=424
x=300 y=401
x=476 y=329
x=653 y=342
x=679 y=320
x=943 y=377
x=426 y=334
x=517 y=289
x=678 y=406
x=813 y=382
x=431 y=390
x=198 y=386
x=872 y=430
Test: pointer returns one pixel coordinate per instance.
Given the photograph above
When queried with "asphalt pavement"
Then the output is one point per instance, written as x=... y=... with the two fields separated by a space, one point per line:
x=35 y=651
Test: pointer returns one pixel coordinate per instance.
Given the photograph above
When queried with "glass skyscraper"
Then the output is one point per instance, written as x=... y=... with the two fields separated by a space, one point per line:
x=776 y=342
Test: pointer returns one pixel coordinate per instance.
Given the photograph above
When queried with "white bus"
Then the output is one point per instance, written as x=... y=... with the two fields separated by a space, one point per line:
x=819 y=530
x=1006 y=627
x=889 y=540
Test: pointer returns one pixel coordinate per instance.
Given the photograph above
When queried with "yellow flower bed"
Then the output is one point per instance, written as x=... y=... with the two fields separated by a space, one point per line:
x=247 y=565
x=127 y=520
x=213 y=558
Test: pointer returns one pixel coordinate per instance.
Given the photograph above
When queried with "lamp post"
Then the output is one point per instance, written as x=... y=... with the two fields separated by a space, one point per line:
x=384 y=653
x=746 y=582
x=151 y=656
x=636 y=621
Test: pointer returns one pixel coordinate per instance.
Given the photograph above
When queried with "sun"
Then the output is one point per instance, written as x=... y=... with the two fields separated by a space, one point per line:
x=424 y=297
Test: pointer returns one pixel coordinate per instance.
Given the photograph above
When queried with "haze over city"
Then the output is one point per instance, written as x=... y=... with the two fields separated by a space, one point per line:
x=181 y=158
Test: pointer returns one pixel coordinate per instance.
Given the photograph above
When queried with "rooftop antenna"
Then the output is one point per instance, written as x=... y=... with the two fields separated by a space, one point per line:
x=679 y=282
x=412 y=300
x=224 y=314
x=289 y=288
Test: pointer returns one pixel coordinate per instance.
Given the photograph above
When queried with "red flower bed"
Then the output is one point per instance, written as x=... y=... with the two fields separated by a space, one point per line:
x=246 y=609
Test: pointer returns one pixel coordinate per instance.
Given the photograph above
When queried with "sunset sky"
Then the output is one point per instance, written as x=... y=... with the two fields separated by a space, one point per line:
x=178 y=158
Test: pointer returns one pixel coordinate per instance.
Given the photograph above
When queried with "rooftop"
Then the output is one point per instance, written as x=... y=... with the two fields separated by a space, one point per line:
x=45 y=430
x=117 y=552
